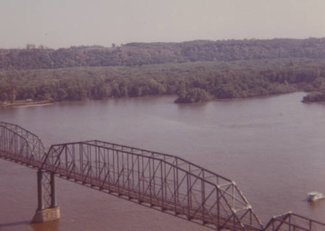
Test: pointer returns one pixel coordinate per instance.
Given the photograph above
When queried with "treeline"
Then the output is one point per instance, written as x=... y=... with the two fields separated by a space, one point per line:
x=192 y=82
x=134 y=54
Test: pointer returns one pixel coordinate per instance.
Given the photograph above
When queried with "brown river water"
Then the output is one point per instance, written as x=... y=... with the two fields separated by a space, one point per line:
x=273 y=147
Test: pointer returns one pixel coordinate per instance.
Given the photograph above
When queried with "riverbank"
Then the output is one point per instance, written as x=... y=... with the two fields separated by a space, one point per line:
x=26 y=103
x=191 y=82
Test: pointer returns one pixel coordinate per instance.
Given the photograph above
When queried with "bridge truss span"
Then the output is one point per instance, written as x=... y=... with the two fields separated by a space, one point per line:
x=160 y=181
x=237 y=199
x=20 y=145
x=163 y=181
x=24 y=147
x=291 y=221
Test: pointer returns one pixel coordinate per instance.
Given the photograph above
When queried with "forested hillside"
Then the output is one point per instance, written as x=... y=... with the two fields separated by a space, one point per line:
x=158 y=53
x=196 y=71
x=193 y=82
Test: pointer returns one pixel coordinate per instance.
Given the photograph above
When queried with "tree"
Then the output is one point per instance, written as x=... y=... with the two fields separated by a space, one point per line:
x=3 y=97
x=194 y=95
x=61 y=94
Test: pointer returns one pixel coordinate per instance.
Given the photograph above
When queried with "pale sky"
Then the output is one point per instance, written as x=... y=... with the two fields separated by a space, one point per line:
x=63 y=23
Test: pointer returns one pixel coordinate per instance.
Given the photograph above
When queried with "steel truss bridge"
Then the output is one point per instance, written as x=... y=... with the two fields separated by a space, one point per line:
x=159 y=181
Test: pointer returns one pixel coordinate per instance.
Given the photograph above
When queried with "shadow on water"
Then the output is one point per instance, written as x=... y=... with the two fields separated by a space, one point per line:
x=316 y=204
x=13 y=224
x=48 y=226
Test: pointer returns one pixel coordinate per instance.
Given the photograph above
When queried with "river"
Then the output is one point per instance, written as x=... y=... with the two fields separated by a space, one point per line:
x=273 y=147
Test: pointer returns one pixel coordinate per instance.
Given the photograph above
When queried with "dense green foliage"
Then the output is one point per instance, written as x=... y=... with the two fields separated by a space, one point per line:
x=134 y=54
x=196 y=71
x=193 y=82
x=314 y=97
x=193 y=95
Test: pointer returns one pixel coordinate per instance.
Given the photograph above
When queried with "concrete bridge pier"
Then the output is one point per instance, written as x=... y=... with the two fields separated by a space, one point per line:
x=47 y=210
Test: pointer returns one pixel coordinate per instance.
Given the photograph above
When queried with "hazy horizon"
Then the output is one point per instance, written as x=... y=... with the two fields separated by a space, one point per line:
x=65 y=23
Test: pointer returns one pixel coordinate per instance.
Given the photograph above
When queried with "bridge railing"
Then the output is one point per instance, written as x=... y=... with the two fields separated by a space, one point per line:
x=18 y=144
x=151 y=179
x=293 y=222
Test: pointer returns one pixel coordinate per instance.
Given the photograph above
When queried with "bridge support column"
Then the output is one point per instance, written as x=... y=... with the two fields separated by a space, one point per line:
x=47 y=209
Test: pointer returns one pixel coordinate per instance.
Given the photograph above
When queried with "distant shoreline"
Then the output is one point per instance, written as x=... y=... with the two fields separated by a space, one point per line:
x=24 y=103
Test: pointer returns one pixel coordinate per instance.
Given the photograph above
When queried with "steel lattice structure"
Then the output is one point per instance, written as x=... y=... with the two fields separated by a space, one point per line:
x=163 y=181
x=293 y=222
x=156 y=180
x=20 y=145
x=24 y=147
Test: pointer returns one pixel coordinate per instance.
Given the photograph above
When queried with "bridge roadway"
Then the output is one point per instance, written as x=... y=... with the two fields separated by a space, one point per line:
x=159 y=181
